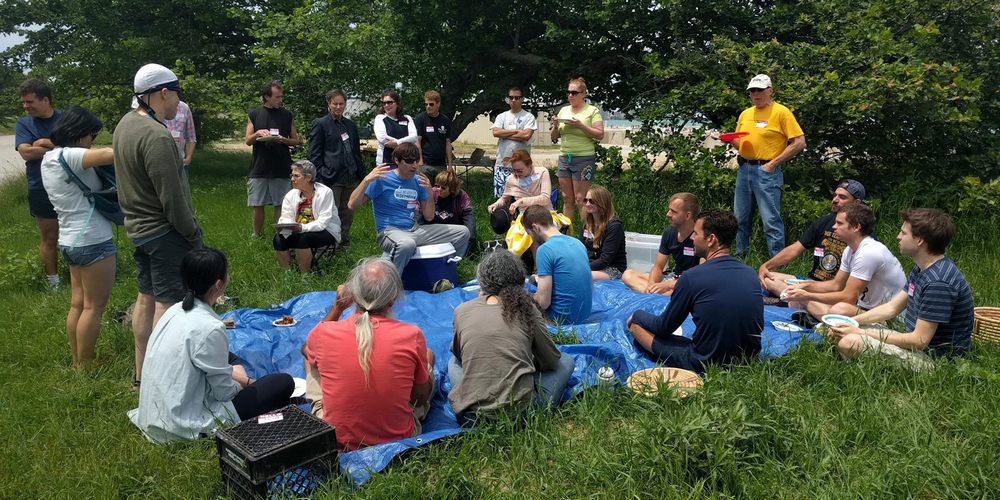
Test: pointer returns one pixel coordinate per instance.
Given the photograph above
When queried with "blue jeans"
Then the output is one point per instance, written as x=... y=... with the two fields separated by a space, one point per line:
x=753 y=182
x=549 y=386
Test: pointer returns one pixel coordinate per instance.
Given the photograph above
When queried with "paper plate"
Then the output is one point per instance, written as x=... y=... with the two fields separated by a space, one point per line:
x=649 y=381
x=268 y=138
x=564 y=120
x=300 y=387
x=837 y=320
x=732 y=135
x=276 y=323
x=786 y=326
x=795 y=281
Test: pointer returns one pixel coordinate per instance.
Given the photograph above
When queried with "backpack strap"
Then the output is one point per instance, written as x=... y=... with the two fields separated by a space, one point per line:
x=86 y=192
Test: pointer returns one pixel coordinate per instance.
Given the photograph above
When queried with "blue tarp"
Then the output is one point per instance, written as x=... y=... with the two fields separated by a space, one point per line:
x=264 y=348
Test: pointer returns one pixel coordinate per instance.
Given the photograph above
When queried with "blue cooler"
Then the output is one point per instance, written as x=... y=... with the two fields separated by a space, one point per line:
x=430 y=264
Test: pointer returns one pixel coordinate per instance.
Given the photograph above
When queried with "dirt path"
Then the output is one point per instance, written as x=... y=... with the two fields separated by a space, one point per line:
x=11 y=164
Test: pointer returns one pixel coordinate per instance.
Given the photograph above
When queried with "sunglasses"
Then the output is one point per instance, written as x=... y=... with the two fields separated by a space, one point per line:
x=429 y=104
x=754 y=91
x=441 y=187
x=589 y=200
x=573 y=92
x=386 y=103
x=515 y=97
x=409 y=160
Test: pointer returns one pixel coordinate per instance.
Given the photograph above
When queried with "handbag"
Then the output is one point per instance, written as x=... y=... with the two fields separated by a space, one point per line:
x=104 y=200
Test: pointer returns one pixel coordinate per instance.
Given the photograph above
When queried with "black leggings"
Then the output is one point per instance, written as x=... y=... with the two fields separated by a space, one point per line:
x=267 y=394
x=312 y=239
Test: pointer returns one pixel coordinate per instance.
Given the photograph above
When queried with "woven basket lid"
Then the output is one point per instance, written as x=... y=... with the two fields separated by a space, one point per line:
x=647 y=382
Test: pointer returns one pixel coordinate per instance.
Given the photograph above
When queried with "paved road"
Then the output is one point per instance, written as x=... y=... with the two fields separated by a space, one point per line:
x=11 y=163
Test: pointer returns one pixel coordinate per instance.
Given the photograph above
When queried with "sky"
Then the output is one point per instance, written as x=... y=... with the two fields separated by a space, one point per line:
x=9 y=40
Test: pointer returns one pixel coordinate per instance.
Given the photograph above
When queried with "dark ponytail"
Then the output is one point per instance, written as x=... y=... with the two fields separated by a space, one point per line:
x=200 y=269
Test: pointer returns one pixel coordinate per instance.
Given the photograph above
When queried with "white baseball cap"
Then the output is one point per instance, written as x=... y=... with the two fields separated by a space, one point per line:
x=760 y=81
x=153 y=77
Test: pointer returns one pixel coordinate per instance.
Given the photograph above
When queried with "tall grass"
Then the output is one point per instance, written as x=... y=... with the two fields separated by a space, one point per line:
x=802 y=426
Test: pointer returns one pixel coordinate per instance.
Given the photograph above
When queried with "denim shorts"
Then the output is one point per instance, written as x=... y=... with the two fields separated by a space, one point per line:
x=88 y=255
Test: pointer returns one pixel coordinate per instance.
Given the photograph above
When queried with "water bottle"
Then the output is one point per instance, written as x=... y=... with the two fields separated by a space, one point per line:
x=606 y=377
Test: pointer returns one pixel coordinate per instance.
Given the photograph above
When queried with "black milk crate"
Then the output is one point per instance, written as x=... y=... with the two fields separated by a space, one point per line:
x=289 y=457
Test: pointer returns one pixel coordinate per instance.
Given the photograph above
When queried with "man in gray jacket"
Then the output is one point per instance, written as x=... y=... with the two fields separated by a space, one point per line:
x=155 y=198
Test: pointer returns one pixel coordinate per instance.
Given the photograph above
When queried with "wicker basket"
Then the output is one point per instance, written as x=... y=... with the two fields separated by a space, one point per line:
x=987 y=325
x=648 y=382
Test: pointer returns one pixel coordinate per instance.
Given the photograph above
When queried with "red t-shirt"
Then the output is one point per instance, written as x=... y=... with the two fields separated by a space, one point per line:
x=380 y=412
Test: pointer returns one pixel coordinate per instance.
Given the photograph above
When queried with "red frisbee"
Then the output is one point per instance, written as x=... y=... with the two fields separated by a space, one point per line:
x=732 y=135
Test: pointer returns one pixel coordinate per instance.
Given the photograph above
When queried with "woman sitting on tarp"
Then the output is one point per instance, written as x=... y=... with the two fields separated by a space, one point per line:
x=603 y=235
x=189 y=383
x=526 y=186
x=504 y=358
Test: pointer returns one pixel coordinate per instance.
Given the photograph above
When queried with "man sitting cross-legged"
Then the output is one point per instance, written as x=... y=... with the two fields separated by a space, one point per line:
x=369 y=375
x=397 y=195
x=819 y=238
x=565 y=289
x=676 y=243
x=869 y=274
x=937 y=301
x=723 y=297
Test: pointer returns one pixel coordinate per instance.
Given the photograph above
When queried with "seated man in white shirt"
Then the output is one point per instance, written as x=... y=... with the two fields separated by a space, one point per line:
x=869 y=274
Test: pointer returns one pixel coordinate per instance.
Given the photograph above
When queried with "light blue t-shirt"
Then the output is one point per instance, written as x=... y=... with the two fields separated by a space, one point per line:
x=565 y=259
x=395 y=202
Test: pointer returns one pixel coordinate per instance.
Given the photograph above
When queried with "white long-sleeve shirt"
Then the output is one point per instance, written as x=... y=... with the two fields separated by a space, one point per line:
x=326 y=217
x=187 y=381
x=382 y=136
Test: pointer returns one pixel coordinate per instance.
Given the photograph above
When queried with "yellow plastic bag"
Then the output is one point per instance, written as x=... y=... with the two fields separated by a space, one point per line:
x=519 y=241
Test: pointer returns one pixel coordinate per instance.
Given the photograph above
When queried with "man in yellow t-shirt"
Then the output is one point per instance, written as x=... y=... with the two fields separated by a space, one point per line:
x=774 y=138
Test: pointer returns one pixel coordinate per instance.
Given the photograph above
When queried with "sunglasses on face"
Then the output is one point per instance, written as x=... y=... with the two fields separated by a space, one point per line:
x=386 y=103
x=515 y=97
x=589 y=200
x=574 y=92
x=754 y=91
x=429 y=104
x=408 y=160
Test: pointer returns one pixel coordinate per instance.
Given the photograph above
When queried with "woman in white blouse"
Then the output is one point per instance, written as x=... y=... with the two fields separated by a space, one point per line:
x=392 y=127
x=84 y=234
x=309 y=205
x=189 y=385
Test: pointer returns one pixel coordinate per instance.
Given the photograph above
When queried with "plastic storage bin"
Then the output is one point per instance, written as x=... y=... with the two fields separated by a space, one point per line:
x=641 y=250
x=265 y=457
x=430 y=264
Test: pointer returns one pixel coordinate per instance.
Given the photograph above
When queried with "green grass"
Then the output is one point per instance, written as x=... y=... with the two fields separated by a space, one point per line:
x=802 y=426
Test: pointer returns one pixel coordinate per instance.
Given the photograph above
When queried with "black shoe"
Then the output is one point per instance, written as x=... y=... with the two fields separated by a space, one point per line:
x=804 y=319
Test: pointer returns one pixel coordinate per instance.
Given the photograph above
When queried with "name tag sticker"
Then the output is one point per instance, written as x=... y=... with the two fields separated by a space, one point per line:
x=344 y=136
x=819 y=251
x=270 y=417
x=429 y=129
x=404 y=123
x=689 y=251
x=910 y=290
x=761 y=123
x=275 y=131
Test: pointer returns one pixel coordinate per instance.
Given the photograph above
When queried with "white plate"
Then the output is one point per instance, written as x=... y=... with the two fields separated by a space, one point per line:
x=268 y=138
x=837 y=320
x=795 y=281
x=785 y=326
x=300 y=387
x=276 y=323
x=565 y=120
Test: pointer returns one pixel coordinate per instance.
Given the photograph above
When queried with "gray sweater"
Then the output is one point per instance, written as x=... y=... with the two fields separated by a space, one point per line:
x=152 y=188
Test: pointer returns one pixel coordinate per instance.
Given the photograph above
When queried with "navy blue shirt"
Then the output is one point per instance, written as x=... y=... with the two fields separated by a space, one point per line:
x=724 y=299
x=940 y=294
x=27 y=130
x=681 y=251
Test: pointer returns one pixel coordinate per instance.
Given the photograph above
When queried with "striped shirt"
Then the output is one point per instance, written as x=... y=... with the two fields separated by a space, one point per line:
x=940 y=294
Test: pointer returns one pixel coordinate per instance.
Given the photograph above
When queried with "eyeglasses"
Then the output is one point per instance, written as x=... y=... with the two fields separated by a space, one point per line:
x=754 y=91
x=573 y=92
x=386 y=103
x=515 y=97
x=589 y=200
x=439 y=186
x=409 y=160
x=429 y=104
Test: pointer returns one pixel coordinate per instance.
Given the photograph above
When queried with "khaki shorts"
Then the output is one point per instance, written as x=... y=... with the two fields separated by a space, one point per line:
x=263 y=191
x=914 y=360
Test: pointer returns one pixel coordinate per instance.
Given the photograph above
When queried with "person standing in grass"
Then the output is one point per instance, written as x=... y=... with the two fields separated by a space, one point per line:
x=310 y=205
x=31 y=139
x=675 y=243
x=85 y=237
x=869 y=273
x=181 y=128
x=156 y=199
x=513 y=130
x=192 y=383
x=271 y=131
x=504 y=358
x=723 y=297
x=580 y=126
x=433 y=137
x=603 y=235
x=827 y=249
x=565 y=288
x=937 y=300
x=397 y=195
x=369 y=375
x=335 y=150
x=774 y=138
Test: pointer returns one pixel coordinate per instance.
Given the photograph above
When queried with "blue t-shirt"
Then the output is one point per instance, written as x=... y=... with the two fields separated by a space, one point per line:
x=565 y=259
x=27 y=130
x=724 y=300
x=940 y=294
x=395 y=202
